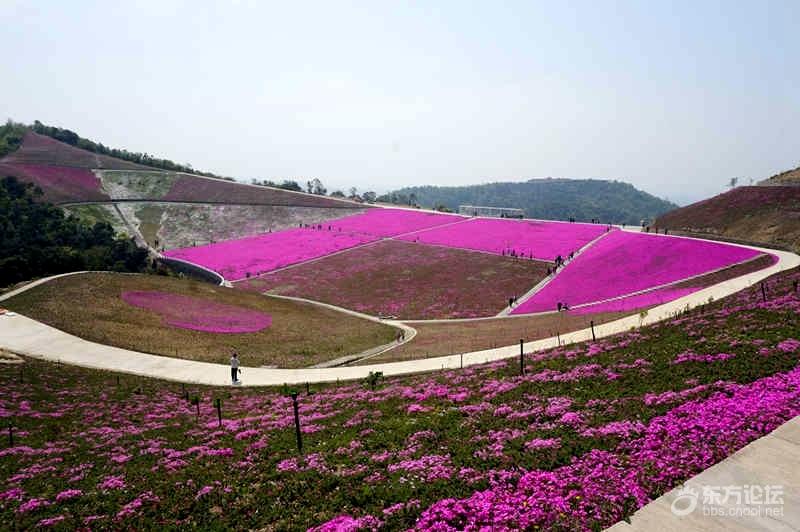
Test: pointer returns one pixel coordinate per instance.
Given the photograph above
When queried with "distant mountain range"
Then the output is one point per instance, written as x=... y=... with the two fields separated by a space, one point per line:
x=556 y=199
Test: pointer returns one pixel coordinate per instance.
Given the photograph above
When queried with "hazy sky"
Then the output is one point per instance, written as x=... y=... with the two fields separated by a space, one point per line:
x=674 y=97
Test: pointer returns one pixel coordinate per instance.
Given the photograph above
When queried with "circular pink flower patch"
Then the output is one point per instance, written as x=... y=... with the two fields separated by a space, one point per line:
x=199 y=314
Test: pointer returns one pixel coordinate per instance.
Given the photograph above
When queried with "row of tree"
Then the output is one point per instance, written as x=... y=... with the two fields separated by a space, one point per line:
x=73 y=139
x=315 y=186
x=37 y=239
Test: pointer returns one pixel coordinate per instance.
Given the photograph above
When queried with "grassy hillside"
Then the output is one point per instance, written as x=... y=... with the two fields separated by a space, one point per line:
x=768 y=214
x=91 y=306
x=555 y=199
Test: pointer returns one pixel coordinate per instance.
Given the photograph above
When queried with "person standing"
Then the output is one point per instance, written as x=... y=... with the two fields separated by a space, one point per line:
x=234 y=368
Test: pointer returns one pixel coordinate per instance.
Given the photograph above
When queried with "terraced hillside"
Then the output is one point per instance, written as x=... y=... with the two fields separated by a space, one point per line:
x=179 y=225
x=166 y=209
x=768 y=214
x=67 y=174
x=180 y=187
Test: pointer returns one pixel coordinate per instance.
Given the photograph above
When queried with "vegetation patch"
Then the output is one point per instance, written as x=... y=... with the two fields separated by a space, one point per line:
x=453 y=337
x=37 y=239
x=769 y=214
x=127 y=184
x=518 y=238
x=409 y=281
x=91 y=306
x=93 y=213
x=198 y=314
x=623 y=262
x=59 y=184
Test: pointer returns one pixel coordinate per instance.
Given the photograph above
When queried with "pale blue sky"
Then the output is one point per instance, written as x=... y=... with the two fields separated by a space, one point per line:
x=674 y=97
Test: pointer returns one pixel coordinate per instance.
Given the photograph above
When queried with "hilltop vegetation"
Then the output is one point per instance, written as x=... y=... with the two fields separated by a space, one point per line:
x=766 y=214
x=789 y=177
x=37 y=239
x=10 y=137
x=73 y=139
x=553 y=199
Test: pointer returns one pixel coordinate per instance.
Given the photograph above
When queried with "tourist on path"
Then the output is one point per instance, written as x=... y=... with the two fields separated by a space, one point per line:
x=234 y=368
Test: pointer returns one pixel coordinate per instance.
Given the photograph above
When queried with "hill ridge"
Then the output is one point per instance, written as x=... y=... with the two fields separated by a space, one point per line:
x=609 y=201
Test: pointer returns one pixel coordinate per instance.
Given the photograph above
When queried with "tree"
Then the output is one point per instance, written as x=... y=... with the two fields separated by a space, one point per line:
x=37 y=239
x=733 y=182
x=369 y=196
x=315 y=186
x=337 y=194
x=353 y=193
x=290 y=185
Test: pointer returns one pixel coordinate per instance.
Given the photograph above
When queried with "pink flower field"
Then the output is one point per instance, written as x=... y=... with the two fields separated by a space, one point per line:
x=199 y=314
x=60 y=183
x=623 y=262
x=410 y=281
x=238 y=259
x=654 y=297
x=390 y=222
x=542 y=240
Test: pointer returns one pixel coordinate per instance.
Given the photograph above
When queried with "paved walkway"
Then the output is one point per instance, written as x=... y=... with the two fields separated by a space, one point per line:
x=773 y=460
x=29 y=337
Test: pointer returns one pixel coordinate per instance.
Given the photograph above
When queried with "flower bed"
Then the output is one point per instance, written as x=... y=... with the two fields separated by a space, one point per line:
x=540 y=240
x=252 y=256
x=390 y=222
x=410 y=281
x=89 y=306
x=623 y=262
x=199 y=314
x=245 y=257
x=60 y=184
x=589 y=434
x=648 y=299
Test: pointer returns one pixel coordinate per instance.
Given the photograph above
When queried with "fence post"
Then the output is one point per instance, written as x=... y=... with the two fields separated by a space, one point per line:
x=10 y=434
x=297 y=423
x=218 y=404
x=592 y=325
x=763 y=292
x=521 y=358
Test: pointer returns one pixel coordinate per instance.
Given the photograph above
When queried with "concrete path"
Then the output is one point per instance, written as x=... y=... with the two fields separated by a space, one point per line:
x=773 y=460
x=29 y=337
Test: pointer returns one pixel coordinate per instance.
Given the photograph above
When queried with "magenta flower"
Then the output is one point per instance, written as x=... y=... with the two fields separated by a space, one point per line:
x=199 y=314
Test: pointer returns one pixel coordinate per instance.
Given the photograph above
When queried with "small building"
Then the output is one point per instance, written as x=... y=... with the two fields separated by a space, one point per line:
x=494 y=212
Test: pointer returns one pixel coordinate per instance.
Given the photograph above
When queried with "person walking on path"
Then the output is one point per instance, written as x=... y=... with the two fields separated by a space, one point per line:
x=234 y=368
